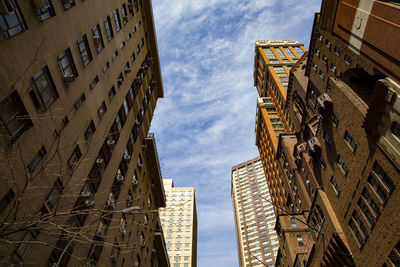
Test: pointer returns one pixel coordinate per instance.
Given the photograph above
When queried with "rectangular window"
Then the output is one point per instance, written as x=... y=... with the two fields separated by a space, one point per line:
x=97 y=38
x=26 y=244
x=14 y=119
x=44 y=9
x=268 y=52
x=105 y=67
x=36 y=159
x=108 y=27
x=84 y=49
x=347 y=59
x=111 y=93
x=68 y=4
x=11 y=19
x=67 y=66
x=6 y=200
x=342 y=165
x=366 y=211
x=350 y=141
x=123 y=13
x=52 y=198
x=298 y=50
x=44 y=93
x=356 y=232
x=378 y=188
x=74 y=159
x=117 y=20
x=80 y=101
x=300 y=240
x=337 y=50
x=289 y=52
x=371 y=202
x=90 y=131
x=335 y=185
x=334 y=119
x=385 y=179
x=280 y=53
x=130 y=8
x=94 y=82
x=102 y=109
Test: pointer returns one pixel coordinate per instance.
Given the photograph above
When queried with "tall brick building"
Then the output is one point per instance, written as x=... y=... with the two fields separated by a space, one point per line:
x=81 y=183
x=342 y=163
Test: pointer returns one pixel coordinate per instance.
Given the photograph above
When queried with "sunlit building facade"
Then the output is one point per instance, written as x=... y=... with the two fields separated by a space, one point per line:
x=179 y=223
x=272 y=64
x=257 y=242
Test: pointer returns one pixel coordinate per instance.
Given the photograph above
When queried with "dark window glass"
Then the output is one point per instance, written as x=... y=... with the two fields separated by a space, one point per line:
x=44 y=93
x=130 y=8
x=44 y=9
x=36 y=159
x=67 y=66
x=117 y=20
x=11 y=20
x=97 y=38
x=84 y=49
x=395 y=129
x=13 y=117
x=25 y=245
x=108 y=26
x=102 y=109
x=94 y=82
x=74 y=159
x=123 y=13
x=80 y=101
x=68 y=3
x=52 y=198
x=111 y=93
x=90 y=131
x=6 y=200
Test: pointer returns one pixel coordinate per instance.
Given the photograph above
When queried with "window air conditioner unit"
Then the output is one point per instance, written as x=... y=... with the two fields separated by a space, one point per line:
x=125 y=19
x=135 y=181
x=68 y=78
x=137 y=121
x=38 y=3
x=122 y=230
x=6 y=8
x=142 y=243
x=111 y=142
x=100 y=161
x=120 y=177
x=127 y=70
x=127 y=157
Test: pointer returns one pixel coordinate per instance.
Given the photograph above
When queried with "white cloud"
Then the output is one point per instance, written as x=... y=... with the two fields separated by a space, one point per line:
x=205 y=123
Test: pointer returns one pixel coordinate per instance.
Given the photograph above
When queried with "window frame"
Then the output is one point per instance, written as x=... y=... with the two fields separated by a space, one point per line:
x=10 y=31
x=73 y=160
x=50 y=89
x=70 y=66
x=97 y=36
x=84 y=50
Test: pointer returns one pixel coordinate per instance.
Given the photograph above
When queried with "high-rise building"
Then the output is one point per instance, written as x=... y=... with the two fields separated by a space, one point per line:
x=342 y=164
x=272 y=64
x=81 y=183
x=254 y=215
x=179 y=223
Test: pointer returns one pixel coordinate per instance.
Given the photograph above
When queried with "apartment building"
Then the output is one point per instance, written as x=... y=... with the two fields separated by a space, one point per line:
x=254 y=215
x=81 y=183
x=179 y=223
x=272 y=64
x=343 y=162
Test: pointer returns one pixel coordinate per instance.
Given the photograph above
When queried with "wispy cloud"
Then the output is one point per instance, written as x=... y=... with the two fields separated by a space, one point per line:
x=205 y=123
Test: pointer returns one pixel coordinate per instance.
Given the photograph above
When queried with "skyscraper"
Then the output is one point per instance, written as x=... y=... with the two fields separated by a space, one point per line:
x=272 y=63
x=254 y=215
x=179 y=223
x=342 y=164
x=80 y=176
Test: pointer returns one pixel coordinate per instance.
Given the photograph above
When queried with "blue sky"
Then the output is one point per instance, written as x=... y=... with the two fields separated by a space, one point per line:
x=204 y=125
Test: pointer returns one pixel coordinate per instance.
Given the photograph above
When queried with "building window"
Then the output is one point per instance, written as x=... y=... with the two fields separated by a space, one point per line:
x=68 y=4
x=123 y=13
x=74 y=159
x=14 y=119
x=342 y=165
x=90 y=131
x=133 y=56
x=67 y=66
x=333 y=67
x=108 y=27
x=80 y=101
x=25 y=245
x=322 y=74
x=298 y=50
x=394 y=256
x=355 y=229
x=94 y=82
x=97 y=38
x=300 y=240
x=293 y=222
x=105 y=67
x=347 y=59
x=350 y=141
x=111 y=93
x=366 y=211
x=114 y=55
x=44 y=93
x=268 y=52
x=84 y=49
x=102 y=110
x=289 y=52
x=6 y=200
x=52 y=198
x=335 y=185
x=11 y=20
x=328 y=139
x=337 y=50
x=117 y=20
x=120 y=79
x=44 y=9
x=395 y=129
x=36 y=159
x=328 y=43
